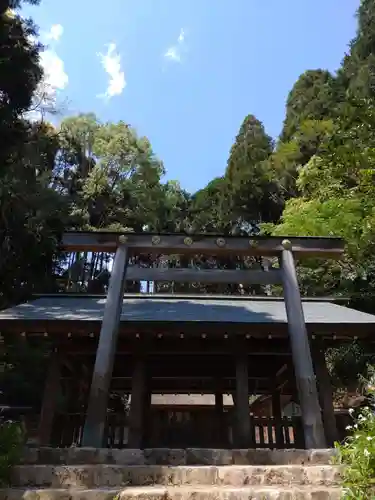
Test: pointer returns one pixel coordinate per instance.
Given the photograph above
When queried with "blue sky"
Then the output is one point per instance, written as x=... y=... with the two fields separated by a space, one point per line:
x=185 y=73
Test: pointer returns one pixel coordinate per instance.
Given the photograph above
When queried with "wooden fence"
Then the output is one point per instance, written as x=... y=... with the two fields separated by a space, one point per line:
x=178 y=430
x=173 y=429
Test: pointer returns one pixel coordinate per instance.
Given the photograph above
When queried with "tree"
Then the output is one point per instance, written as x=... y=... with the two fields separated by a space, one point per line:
x=357 y=74
x=172 y=213
x=76 y=136
x=20 y=75
x=313 y=97
x=252 y=146
x=16 y=4
x=23 y=373
x=249 y=190
x=206 y=209
x=336 y=188
x=32 y=215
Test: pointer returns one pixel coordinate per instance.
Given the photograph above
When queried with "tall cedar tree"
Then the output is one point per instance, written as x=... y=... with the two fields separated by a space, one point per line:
x=312 y=98
x=249 y=188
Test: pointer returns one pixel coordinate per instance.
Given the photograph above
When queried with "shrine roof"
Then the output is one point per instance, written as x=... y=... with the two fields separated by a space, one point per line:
x=182 y=309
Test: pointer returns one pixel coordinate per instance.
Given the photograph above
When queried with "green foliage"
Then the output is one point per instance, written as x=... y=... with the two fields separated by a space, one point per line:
x=357 y=71
x=346 y=362
x=23 y=372
x=325 y=167
x=207 y=206
x=11 y=443
x=357 y=453
x=337 y=200
x=111 y=175
x=32 y=214
x=16 y=4
x=252 y=146
x=248 y=192
x=312 y=98
x=19 y=65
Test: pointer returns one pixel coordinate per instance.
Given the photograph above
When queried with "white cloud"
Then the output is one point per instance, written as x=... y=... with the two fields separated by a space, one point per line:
x=55 y=32
x=111 y=62
x=181 y=36
x=174 y=52
x=54 y=72
x=55 y=78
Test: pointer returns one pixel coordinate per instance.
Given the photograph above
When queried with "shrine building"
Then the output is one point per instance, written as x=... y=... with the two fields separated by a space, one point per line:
x=152 y=349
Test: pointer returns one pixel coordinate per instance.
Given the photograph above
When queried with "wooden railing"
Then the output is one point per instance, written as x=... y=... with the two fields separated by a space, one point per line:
x=68 y=429
x=169 y=431
x=269 y=432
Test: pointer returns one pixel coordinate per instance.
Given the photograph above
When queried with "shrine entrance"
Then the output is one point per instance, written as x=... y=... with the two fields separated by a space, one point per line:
x=132 y=347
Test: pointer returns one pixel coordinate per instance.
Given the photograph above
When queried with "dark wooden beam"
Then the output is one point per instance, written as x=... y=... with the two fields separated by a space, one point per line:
x=242 y=432
x=333 y=333
x=221 y=430
x=165 y=346
x=197 y=386
x=281 y=371
x=277 y=414
x=325 y=392
x=187 y=377
x=126 y=351
x=50 y=399
x=201 y=368
x=201 y=365
x=147 y=416
x=200 y=244
x=204 y=275
x=137 y=413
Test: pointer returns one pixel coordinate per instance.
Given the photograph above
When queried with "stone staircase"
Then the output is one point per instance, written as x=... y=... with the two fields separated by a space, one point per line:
x=165 y=474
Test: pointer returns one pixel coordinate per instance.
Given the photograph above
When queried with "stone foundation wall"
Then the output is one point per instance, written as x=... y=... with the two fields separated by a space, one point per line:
x=165 y=456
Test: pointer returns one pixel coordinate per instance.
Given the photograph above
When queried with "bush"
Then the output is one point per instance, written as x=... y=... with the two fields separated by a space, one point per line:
x=11 y=443
x=357 y=452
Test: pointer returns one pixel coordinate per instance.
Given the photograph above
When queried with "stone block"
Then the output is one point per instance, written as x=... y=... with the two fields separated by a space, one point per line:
x=176 y=493
x=208 y=456
x=165 y=456
x=289 y=457
x=52 y=456
x=77 y=456
x=106 y=475
x=127 y=457
x=29 y=455
x=321 y=456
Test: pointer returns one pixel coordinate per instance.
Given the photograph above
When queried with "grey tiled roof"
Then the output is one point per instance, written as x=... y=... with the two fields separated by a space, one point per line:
x=181 y=309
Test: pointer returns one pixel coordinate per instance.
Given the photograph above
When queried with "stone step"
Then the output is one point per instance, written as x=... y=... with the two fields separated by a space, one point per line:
x=93 y=476
x=177 y=493
x=165 y=456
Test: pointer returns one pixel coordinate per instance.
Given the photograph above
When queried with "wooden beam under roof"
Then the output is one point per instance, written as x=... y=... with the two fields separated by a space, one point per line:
x=198 y=385
x=76 y=241
x=255 y=277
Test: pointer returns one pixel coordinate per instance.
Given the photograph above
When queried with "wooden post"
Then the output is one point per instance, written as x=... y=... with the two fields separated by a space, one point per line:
x=325 y=393
x=93 y=433
x=221 y=435
x=243 y=430
x=276 y=412
x=137 y=414
x=50 y=398
x=303 y=366
x=147 y=396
